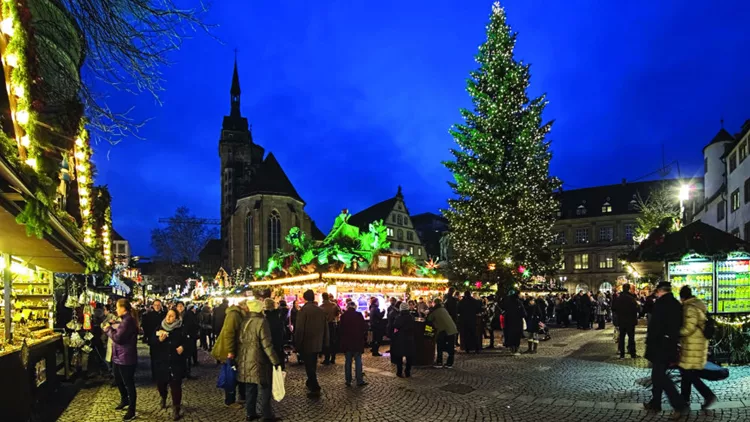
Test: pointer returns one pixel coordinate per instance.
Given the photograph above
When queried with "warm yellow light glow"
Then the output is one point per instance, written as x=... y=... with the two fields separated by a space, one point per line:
x=82 y=178
x=79 y=155
x=305 y=277
x=86 y=212
x=19 y=91
x=84 y=201
x=508 y=261
x=25 y=141
x=376 y=277
x=6 y=26
x=20 y=269
x=81 y=168
x=22 y=116
x=11 y=60
x=83 y=191
x=88 y=240
x=31 y=162
x=79 y=142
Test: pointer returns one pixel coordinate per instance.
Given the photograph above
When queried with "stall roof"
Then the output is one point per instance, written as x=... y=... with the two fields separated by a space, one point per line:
x=697 y=237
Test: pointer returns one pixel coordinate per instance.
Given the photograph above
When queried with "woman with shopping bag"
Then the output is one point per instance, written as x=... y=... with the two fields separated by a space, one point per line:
x=256 y=360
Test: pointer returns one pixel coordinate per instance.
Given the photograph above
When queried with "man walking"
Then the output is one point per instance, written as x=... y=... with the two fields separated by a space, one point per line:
x=333 y=312
x=310 y=337
x=151 y=321
x=227 y=346
x=625 y=309
x=353 y=330
x=662 y=342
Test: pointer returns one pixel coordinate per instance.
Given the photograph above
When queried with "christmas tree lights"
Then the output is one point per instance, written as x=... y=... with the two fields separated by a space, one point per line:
x=503 y=209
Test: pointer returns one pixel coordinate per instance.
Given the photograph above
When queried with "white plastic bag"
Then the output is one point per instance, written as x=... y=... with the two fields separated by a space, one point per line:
x=277 y=383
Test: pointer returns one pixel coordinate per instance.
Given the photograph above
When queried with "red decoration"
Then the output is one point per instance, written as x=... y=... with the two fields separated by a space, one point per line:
x=478 y=284
x=521 y=269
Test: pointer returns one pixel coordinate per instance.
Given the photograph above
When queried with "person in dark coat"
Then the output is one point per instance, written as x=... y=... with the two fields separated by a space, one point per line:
x=310 y=337
x=584 y=311
x=220 y=312
x=514 y=314
x=376 y=325
x=124 y=337
x=168 y=351
x=468 y=309
x=625 y=311
x=190 y=328
x=352 y=330
x=276 y=324
x=151 y=321
x=206 y=321
x=662 y=340
x=533 y=318
x=403 y=344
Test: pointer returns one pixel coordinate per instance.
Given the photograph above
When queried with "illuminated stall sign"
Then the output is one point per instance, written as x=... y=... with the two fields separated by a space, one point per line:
x=697 y=272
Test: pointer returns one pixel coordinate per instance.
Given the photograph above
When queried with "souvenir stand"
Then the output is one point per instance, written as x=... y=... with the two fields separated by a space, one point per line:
x=715 y=264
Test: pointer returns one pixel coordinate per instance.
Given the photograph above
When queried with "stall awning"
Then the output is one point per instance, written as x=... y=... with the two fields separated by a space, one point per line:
x=697 y=237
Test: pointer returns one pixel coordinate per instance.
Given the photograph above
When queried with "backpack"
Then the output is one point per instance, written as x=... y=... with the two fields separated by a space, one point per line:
x=709 y=328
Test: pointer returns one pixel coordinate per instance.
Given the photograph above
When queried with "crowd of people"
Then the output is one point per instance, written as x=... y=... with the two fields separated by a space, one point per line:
x=257 y=335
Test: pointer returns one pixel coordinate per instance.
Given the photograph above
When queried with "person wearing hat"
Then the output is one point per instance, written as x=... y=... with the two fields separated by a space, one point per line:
x=403 y=344
x=276 y=323
x=662 y=341
x=255 y=361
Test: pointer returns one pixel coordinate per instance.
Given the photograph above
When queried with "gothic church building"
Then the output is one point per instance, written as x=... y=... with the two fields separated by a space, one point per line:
x=258 y=202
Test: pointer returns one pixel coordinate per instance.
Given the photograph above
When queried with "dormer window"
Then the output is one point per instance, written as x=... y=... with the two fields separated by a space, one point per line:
x=633 y=204
x=581 y=210
x=606 y=208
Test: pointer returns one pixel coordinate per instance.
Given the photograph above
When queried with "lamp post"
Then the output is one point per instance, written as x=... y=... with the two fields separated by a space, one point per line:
x=684 y=195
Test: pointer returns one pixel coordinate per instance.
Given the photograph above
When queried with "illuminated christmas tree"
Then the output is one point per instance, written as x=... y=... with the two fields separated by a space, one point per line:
x=504 y=209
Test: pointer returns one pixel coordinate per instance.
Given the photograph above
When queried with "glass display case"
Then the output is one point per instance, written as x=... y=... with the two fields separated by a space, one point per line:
x=697 y=272
x=733 y=283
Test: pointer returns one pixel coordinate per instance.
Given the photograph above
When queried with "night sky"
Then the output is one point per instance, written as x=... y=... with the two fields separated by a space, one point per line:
x=355 y=98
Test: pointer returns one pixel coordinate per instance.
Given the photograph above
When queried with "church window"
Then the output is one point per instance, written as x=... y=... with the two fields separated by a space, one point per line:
x=274 y=232
x=400 y=234
x=296 y=221
x=249 y=244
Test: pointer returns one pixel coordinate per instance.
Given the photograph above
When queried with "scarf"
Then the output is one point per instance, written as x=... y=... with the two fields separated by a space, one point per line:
x=169 y=327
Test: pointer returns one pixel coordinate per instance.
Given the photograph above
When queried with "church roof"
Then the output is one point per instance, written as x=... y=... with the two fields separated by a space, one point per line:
x=235 y=90
x=379 y=211
x=315 y=232
x=270 y=179
x=212 y=248
x=721 y=136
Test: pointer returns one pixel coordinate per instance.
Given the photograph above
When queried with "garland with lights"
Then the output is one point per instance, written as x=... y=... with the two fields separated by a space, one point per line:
x=503 y=203
x=85 y=179
x=107 y=237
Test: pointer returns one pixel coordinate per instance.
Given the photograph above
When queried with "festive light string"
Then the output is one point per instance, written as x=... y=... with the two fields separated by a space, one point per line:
x=735 y=322
x=85 y=180
x=106 y=236
x=17 y=81
x=347 y=276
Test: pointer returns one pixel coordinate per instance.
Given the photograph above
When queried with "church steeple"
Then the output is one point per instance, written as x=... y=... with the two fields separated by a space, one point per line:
x=234 y=92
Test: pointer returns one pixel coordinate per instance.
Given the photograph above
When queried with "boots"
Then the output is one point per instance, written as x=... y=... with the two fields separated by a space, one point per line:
x=176 y=413
x=163 y=403
x=535 y=345
x=531 y=345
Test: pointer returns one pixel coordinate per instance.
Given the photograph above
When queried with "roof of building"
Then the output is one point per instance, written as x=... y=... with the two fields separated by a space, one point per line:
x=697 y=237
x=116 y=235
x=235 y=90
x=315 y=232
x=721 y=136
x=618 y=196
x=379 y=211
x=427 y=217
x=212 y=248
x=270 y=179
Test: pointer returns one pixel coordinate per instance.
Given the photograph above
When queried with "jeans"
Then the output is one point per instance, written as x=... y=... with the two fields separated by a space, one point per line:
x=663 y=384
x=230 y=396
x=630 y=332
x=175 y=386
x=357 y=356
x=125 y=379
x=311 y=367
x=252 y=400
x=692 y=378
x=445 y=343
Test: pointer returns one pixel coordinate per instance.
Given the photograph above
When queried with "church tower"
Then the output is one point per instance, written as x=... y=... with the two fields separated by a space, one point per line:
x=240 y=158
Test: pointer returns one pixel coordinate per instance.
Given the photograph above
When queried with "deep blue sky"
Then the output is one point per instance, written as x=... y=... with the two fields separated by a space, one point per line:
x=355 y=98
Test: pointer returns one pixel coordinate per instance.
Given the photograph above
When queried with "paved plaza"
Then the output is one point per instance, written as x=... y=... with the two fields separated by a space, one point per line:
x=576 y=376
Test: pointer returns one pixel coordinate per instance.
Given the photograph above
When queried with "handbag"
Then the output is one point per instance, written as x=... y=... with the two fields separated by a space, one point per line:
x=277 y=383
x=227 y=376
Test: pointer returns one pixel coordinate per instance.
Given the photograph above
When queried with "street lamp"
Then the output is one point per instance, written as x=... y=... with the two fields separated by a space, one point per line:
x=684 y=195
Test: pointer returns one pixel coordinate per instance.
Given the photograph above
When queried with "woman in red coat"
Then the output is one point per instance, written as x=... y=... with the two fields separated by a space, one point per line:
x=352 y=332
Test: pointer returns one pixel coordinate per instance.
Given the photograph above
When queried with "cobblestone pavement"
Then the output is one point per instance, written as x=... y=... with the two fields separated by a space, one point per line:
x=575 y=376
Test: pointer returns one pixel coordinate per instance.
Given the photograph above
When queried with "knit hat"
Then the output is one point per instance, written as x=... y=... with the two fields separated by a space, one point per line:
x=254 y=306
x=404 y=306
x=269 y=304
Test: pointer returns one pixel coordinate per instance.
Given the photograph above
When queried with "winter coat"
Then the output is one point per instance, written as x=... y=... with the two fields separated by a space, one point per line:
x=601 y=306
x=190 y=324
x=168 y=364
x=331 y=309
x=226 y=342
x=533 y=318
x=514 y=313
x=124 y=337
x=220 y=312
x=468 y=309
x=276 y=325
x=311 y=331
x=693 y=343
x=151 y=320
x=442 y=321
x=206 y=319
x=376 y=316
x=664 y=330
x=403 y=343
x=256 y=357
x=352 y=332
x=625 y=307
x=451 y=305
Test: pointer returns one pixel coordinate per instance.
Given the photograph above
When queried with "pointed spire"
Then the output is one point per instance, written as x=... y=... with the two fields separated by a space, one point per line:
x=235 y=90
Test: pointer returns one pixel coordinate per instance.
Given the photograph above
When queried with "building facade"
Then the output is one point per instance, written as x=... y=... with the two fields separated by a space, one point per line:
x=401 y=231
x=120 y=249
x=726 y=200
x=430 y=228
x=595 y=227
x=259 y=204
